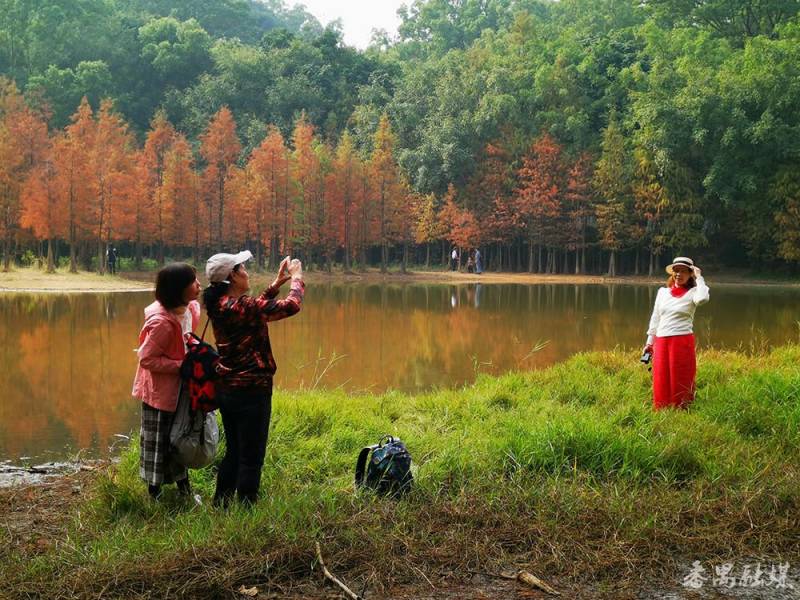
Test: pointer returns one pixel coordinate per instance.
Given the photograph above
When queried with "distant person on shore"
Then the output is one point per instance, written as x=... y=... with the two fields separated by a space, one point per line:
x=245 y=394
x=162 y=347
x=470 y=264
x=670 y=337
x=478 y=262
x=112 y=260
x=454 y=260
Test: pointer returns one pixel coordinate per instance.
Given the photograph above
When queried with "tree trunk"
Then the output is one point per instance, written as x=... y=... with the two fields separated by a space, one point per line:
x=73 y=258
x=636 y=263
x=138 y=255
x=7 y=253
x=428 y=255
x=51 y=267
x=404 y=265
x=101 y=259
x=274 y=250
x=530 y=257
x=612 y=264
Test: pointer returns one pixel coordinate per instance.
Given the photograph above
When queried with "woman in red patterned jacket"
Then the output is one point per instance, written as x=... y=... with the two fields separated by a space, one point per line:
x=246 y=363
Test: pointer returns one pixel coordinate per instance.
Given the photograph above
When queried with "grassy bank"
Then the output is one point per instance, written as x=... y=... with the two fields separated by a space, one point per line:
x=566 y=472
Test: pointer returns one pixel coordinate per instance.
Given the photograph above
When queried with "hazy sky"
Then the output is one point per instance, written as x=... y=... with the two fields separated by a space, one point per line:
x=359 y=17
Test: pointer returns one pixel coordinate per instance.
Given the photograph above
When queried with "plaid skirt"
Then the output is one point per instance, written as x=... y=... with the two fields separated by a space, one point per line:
x=155 y=465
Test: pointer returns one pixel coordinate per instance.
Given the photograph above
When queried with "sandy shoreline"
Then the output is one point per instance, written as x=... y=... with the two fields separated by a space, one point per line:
x=34 y=281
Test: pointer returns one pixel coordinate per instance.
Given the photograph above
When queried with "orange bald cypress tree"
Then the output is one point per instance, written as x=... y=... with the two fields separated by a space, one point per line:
x=110 y=160
x=23 y=142
x=324 y=222
x=159 y=140
x=344 y=194
x=137 y=217
x=73 y=163
x=240 y=190
x=389 y=190
x=40 y=204
x=179 y=196
x=246 y=197
x=271 y=162
x=305 y=169
x=462 y=226
x=220 y=148
x=366 y=211
x=539 y=199
x=11 y=163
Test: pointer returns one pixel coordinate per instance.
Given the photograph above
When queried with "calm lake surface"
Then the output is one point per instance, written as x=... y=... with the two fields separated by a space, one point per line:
x=68 y=360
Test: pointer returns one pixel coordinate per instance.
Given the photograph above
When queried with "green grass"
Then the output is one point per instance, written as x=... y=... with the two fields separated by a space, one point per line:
x=567 y=469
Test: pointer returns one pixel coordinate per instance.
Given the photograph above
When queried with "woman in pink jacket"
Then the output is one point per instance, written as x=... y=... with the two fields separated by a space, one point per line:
x=162 y=347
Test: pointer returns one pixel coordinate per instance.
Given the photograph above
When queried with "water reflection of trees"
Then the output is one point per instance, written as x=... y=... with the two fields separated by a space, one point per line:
x=418 y=336
x=68 y=367
x=69 y=361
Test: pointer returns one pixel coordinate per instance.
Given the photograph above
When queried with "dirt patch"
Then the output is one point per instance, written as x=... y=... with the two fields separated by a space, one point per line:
x=35 y=515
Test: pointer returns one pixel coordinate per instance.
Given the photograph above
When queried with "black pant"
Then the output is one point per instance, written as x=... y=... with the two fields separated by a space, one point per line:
x=245 y=422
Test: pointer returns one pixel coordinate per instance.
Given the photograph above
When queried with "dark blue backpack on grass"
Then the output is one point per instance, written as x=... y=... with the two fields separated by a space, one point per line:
x=388 y=467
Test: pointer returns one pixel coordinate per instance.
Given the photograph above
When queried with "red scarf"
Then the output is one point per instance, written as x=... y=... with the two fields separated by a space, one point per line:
x=678 y=291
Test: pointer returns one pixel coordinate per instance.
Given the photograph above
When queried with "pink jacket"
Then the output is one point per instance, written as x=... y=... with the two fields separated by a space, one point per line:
x=161 y=351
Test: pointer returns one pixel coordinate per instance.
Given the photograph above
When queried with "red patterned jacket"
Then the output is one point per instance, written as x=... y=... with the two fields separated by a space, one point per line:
x=242 y=335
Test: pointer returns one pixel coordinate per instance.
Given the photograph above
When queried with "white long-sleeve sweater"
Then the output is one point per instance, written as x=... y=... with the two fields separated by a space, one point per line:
x=675 y=316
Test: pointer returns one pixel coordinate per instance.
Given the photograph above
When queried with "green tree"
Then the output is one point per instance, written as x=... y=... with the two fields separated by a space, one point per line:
x=612 y=182
x=178 y=51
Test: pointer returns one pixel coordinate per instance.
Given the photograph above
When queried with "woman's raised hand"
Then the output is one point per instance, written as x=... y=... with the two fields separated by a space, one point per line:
x=296 y=269
x=697 y=272
x=283 y=273
x=283 y=269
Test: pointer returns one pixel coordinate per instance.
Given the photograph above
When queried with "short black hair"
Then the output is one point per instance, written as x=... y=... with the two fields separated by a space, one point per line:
x=171 y=280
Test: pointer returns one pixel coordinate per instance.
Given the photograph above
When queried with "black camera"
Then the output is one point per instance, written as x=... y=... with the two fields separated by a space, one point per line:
x=646 y=357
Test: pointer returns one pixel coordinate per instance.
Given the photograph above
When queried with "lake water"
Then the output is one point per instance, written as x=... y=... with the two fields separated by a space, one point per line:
x=68 y=360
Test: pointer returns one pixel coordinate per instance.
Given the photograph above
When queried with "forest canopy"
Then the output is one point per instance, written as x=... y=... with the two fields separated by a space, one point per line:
x=566 y=135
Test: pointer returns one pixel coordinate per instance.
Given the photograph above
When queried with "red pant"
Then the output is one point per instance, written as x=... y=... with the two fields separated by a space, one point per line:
x=674 y=369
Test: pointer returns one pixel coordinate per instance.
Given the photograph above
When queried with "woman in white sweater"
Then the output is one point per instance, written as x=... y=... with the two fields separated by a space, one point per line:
x=670 y=337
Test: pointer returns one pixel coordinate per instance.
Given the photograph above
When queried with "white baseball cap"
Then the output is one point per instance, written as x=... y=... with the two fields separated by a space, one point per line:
x=219 y=266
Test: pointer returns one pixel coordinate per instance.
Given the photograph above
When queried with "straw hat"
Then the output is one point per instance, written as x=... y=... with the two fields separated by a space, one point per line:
x=683 y=261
